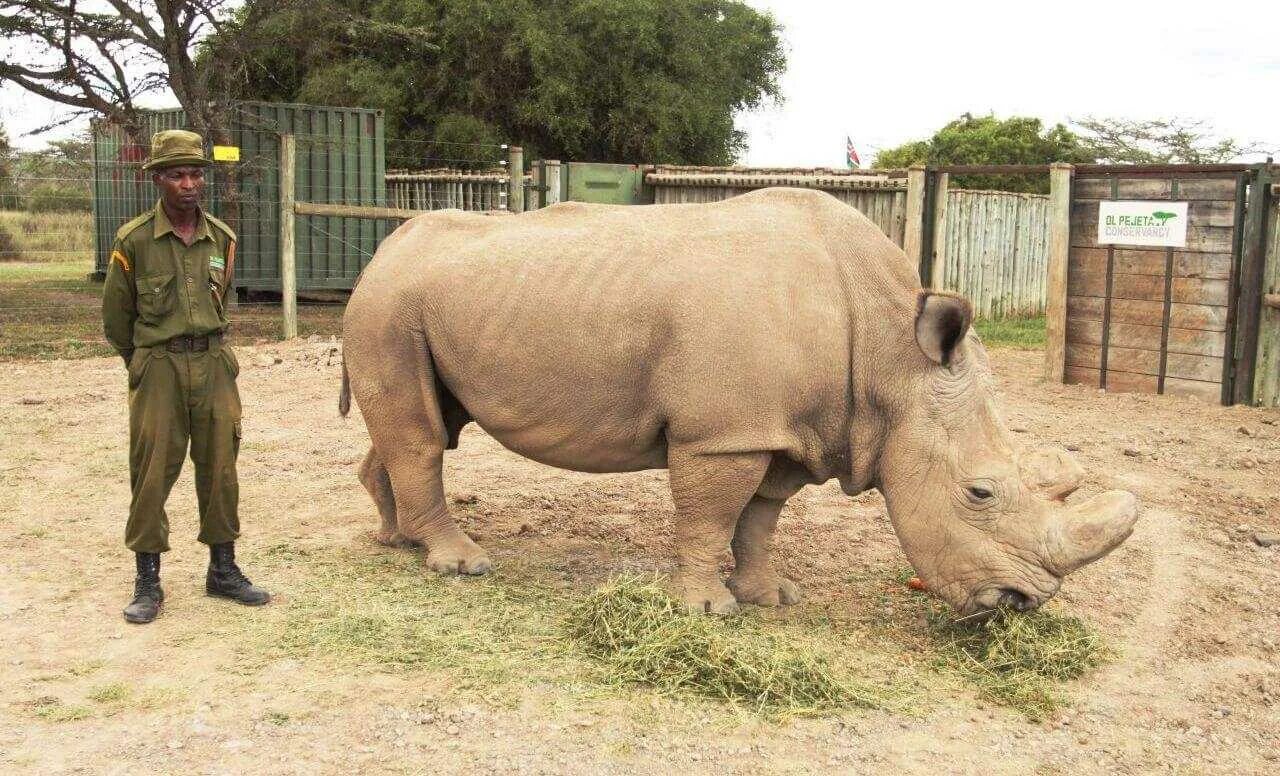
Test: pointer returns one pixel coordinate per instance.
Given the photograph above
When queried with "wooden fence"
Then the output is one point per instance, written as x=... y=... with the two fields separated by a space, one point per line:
x=994 y=249
x=440 y=189
x=880 y=198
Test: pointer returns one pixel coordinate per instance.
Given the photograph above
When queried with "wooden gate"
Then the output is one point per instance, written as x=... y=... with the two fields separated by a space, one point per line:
x=1156 y=319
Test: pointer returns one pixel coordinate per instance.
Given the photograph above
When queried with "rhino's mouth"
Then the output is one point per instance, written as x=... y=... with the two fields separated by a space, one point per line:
x=989 y=599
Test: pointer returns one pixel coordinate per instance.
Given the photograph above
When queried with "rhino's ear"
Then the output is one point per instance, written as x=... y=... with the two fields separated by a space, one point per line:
x=942 y=320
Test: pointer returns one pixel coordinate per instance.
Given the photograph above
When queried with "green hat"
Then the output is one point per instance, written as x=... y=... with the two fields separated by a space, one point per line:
x=175 y=147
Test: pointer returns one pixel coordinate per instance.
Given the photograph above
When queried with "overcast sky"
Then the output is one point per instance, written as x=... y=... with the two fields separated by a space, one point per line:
x=887 y=72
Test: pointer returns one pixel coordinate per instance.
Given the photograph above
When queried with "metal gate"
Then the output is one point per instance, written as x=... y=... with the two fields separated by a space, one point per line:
x=1161 y=319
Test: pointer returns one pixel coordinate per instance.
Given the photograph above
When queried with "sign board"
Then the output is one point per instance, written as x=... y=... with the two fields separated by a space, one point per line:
x=1130 y=222
x=226 y=153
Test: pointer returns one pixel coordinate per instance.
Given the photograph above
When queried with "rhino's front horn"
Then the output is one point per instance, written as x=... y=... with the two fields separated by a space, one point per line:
x=1090 y=530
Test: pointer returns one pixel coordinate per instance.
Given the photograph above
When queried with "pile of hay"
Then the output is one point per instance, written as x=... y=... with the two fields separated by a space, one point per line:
x=1019 y=660
x=646 y=637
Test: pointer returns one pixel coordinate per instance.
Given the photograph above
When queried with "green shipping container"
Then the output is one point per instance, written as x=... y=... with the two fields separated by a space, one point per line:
x=341 y=159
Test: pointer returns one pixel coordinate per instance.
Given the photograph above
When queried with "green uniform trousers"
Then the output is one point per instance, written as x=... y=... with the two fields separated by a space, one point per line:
x=176 y=399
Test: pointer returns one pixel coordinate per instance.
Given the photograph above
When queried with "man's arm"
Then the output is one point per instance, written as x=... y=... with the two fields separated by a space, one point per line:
x=119 y=303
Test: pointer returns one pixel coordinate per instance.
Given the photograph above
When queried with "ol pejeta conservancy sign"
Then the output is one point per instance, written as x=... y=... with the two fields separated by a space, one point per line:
x=1142 y=223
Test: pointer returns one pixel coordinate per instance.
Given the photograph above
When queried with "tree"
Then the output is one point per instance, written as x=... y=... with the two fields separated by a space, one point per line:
x=99 y=57
x=8 y=197
x=600 y=80
x=989 y=140
x=1160 y=141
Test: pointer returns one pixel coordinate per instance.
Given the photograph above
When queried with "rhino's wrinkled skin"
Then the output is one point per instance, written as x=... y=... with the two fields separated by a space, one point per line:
x=751 y=346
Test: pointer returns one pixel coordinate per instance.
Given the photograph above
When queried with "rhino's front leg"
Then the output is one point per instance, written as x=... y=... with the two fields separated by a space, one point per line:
x=754 y=580
x=710 y=492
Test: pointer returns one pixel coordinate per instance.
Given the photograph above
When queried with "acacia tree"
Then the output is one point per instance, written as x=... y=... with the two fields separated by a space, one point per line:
x=99 y=57
x=1160 y=141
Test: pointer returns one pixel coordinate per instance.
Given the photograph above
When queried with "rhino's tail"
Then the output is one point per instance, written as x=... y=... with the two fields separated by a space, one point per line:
x=344 y=396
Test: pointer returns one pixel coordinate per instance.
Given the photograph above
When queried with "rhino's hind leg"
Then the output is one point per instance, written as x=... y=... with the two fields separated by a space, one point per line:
x=754 y=580
x=373 y=475
x=410 y=436
x=710 y=492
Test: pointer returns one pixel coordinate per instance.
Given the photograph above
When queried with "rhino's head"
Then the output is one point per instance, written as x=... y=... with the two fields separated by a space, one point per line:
x=982 y=524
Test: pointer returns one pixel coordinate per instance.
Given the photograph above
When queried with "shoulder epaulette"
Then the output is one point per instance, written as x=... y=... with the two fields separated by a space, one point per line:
x=221 y=226
x=135 y=224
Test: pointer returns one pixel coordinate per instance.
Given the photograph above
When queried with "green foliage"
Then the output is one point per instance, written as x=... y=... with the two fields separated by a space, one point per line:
x=989 y=140
x=590 y=80
x=8 y=245
x=55 y=198
x=54 y=179
x=8 y=196
x=1159 y=141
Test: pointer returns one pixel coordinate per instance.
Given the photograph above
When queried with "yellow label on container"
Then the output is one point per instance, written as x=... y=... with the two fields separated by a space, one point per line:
x=226 y=153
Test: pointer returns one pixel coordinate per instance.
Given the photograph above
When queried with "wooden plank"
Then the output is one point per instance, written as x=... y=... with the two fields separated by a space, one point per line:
x=1216 y=266
x=1129 y=382
x=1056 y=278
x=1198 y=316
x=1190 y=367
x=515 y=180
x=1087 y=283
x=1079 y=354
x=1084 y=332
x=1210 y=392
x=353 y=211
x=1085 y=308
x=1201 y=291
x=1137 y=287
x=1207 y=188
x=1143 y=188
x=1134 y=360
x=1080 y=375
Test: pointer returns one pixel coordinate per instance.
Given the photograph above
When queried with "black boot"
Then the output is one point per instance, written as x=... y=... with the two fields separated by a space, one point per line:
x=147 y=595
x=225 y=578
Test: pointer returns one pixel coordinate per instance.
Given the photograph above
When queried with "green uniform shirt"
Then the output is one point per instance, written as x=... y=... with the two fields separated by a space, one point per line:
x=158 y=288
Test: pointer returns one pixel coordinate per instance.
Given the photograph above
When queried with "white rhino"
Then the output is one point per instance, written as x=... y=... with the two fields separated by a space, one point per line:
x=751 y=347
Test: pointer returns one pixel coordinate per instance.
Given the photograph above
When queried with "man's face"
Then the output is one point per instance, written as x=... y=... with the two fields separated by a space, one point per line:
x=180 y=187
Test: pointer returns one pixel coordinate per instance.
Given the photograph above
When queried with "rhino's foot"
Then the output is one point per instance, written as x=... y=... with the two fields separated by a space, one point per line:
x=764 y=589
x=463 y=557
x=395 y=539
x=708 y=598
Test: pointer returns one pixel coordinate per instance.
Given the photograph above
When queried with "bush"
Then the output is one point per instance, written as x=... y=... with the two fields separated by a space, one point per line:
x=8 y=246
x=58 y=199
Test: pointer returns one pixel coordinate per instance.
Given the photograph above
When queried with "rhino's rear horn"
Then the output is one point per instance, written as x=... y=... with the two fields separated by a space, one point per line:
x=942 y=320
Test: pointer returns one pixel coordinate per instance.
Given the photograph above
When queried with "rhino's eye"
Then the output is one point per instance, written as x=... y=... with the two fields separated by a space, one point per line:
x=978 y=495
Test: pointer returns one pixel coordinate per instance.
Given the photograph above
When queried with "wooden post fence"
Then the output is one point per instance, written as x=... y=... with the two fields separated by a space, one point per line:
x=1055 y=349
x=938 y=268
x=515 y=189
x=913 y=239
x=288 y=254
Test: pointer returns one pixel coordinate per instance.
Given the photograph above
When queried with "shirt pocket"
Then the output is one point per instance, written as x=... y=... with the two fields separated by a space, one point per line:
x=156 y=296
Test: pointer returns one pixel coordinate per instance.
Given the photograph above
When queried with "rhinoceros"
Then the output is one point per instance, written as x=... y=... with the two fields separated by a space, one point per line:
x=751 y=347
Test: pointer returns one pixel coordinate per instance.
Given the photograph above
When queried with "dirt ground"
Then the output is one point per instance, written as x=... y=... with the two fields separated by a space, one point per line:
x=1191 y=604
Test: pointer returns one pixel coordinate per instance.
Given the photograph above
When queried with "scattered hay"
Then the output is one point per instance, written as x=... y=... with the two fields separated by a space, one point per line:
x=1019 y=660
x=646 y=637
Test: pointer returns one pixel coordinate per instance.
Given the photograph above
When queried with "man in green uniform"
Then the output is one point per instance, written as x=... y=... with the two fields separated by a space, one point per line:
x=164 y=310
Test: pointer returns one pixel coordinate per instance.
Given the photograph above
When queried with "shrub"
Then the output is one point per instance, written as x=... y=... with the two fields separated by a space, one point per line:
x=58 y=199
x=8 y=246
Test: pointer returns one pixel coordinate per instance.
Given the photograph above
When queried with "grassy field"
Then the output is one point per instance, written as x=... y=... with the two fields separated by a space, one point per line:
x=51 y=308
x=1018 y=333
